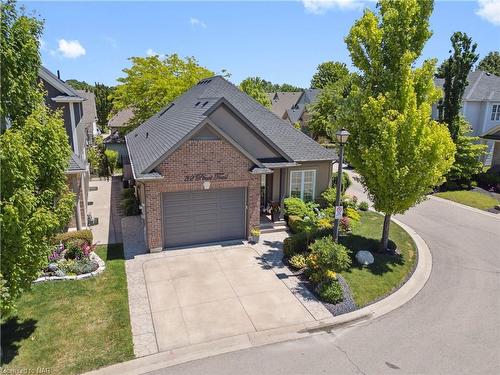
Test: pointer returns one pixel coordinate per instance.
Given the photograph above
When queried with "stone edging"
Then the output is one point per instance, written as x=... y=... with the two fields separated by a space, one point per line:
x=93 y=256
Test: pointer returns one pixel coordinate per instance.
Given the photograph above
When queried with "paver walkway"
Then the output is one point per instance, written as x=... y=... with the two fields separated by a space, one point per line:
x=104 y=204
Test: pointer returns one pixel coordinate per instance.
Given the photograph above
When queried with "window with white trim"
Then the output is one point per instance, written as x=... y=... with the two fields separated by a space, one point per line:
x=495 y=112
x=303 y=184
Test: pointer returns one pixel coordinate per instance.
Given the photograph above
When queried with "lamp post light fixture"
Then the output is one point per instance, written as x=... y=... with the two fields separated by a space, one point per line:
x=342 y=136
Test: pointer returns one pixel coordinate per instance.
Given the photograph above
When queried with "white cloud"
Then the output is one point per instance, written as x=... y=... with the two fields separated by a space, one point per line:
x=43 y=44
x=70 y=48
x=321 y=6
x=196 y=22
x=489 y=10
x=152 y=52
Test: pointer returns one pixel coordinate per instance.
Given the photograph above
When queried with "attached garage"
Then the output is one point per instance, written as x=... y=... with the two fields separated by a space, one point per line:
x=194 y=217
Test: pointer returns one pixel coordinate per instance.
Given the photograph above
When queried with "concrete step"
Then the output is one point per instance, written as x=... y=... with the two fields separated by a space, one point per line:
x=272 y=225
x=276 y=228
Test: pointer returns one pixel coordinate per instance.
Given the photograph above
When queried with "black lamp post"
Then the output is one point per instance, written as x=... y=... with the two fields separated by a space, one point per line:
x=342 y=136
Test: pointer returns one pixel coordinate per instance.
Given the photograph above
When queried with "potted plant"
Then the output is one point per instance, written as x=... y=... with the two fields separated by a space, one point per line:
x=275 y=211
x=254 y=235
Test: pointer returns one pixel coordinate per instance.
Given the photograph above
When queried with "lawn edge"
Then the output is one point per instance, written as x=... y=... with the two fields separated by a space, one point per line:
x=464 y=206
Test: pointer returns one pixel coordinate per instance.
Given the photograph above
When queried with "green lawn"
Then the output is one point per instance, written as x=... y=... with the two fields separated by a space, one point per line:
x=388 y=272
x=470 y=198
x=72 y=327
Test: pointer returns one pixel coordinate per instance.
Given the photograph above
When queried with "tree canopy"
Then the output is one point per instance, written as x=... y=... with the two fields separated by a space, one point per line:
x=490 y=63
x=254 y=87
x=20 y=58
x=327 y=73
x=458 y=65
x=399 y=151
x=153 y=82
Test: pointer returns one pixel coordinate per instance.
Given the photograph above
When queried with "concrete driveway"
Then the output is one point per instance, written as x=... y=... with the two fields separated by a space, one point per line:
x=196 y=297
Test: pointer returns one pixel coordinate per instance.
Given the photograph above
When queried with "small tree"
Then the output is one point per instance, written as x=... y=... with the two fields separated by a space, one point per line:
x=399 y=151
x=20 y=59
x=490 y=63
x=103 y=103
x=327 y=73
x=112 y=160
x=36 y=202
x=254 y=87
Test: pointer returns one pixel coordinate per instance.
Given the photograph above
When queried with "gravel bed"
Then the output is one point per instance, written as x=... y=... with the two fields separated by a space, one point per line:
x=347 y=304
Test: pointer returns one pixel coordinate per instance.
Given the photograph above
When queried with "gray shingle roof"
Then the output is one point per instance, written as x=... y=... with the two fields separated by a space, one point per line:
x=281 y=101
x=67 y=88
x=75 y=164
x=121 y=118
x=482 y=86
x=89 y=108
x=148 y=143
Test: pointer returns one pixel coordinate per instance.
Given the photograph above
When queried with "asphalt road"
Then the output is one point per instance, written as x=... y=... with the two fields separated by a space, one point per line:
x=451 y=327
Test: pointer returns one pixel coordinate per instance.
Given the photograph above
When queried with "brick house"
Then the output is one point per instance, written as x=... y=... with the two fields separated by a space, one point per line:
x=208 y=164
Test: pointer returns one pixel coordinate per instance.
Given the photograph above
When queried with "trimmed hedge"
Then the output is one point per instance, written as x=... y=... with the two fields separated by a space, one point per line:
x=83 y=235
x=297 y=243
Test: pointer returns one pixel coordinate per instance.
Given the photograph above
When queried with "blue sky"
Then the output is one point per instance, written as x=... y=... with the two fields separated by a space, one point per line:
x=279 y=41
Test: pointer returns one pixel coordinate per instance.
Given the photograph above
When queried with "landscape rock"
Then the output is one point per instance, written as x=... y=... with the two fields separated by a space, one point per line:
x=364 y=257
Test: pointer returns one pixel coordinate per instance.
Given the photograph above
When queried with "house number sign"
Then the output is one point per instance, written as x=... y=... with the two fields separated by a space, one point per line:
x=206 y=177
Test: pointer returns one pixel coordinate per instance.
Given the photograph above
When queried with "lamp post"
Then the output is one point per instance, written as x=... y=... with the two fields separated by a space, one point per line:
x=342 y=136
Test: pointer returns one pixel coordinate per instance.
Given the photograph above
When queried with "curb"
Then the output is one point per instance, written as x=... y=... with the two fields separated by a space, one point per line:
x=476 y=210
x=255 y=339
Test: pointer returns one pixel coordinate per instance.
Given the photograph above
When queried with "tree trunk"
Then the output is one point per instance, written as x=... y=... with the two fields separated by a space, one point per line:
x=385 y=233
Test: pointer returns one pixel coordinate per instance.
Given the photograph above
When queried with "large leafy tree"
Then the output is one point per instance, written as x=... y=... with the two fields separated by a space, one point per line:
x=103 y=102
x=36 y=202
x=325 y=112
x=458 y=65
x=20 y=59
x=399 y=151
x=490 y=63
x=327 y=73
x=254 y=86
x=269 y=87
x=79 y=85
x=152 y=82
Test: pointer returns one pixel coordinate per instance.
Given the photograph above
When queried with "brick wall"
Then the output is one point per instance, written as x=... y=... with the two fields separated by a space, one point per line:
x=74 y=184
x=200 y=157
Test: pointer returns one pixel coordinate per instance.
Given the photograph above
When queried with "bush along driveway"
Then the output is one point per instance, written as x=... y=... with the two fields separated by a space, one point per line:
x=331 y=269
x=70 y=327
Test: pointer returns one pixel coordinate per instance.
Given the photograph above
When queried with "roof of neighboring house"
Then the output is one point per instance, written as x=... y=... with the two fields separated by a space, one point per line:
x=89 y=108
x=121 y=118
x=493 y=133
x=281 y=101
x=59 y=84
x=75 y=164
x=482 y=86
x=148 y=143
x=308 y=96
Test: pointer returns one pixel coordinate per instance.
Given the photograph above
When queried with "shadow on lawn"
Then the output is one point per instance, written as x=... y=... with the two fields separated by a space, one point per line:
x=382 y=261
x=115 y=251
x=13 y=331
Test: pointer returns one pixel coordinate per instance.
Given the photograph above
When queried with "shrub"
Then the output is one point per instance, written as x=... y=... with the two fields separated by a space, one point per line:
x=294 y=245
x=328 y=197
x=353 y=215
x=295 y=223
x=489 y=180
x=112 y=159
x=255 y=232
x=74 y=251
x=331 y=292
x=79 y=266
x=297 y=207
x=346 y=181
x=363 y=206
x=345 y=224
x=325 y=223
x=129 y=203
x=349 y=201
x=82 y=235
x=329 y=255
x=298 y=261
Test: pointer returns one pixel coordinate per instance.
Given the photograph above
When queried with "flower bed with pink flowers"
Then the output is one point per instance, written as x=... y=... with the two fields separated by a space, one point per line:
x=73 y=260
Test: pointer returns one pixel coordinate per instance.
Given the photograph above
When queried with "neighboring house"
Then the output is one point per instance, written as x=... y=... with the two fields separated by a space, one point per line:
x=89 y=118
x=481 y=108
x=78 y=122
x=293 y=106
x=206 y=164
x=120 y=120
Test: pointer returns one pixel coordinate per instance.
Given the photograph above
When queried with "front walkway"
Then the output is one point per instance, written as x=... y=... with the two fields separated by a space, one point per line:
x=104 y=204
x=184 y=297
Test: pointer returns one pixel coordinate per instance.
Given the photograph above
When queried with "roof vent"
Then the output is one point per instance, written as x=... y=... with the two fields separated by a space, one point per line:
x=147 y=134
x=197 y=104
x=204 y=104
x=166 y=109
x=276 y=97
